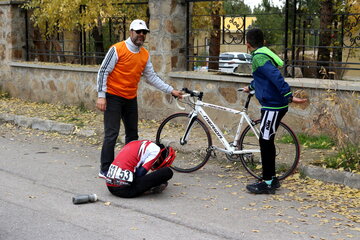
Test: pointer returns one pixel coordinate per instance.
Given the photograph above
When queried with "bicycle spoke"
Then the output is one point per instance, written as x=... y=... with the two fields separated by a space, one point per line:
x=287 y=152
x=192 y=154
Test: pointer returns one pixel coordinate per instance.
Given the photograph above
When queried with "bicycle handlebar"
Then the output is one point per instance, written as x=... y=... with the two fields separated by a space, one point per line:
x=193 y=93
x=199 y=95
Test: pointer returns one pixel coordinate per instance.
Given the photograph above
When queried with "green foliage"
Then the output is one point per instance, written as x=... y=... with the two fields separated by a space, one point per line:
x=237 y=7
x=316 y=142
x=348 y=158
x=270 y=19
x=310 y=6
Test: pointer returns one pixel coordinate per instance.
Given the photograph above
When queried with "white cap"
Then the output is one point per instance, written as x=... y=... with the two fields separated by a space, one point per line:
x=138 y=25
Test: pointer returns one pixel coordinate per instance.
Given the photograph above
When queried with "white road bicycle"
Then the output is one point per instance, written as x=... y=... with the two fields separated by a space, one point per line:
x=191 y=139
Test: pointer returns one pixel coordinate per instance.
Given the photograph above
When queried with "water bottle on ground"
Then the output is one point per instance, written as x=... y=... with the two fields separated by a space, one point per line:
x=84 y=198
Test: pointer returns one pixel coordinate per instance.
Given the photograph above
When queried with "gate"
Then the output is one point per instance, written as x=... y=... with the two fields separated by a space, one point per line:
x=316 y=42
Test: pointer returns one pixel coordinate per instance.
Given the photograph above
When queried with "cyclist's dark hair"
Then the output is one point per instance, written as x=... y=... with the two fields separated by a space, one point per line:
x=255 y=37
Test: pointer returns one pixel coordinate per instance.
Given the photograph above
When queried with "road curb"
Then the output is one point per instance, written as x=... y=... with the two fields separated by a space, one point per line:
x=45 y=125
x=331 y=175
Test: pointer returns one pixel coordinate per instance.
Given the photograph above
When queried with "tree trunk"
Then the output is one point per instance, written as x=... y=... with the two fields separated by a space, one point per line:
x=326 y=20
x=214 y=49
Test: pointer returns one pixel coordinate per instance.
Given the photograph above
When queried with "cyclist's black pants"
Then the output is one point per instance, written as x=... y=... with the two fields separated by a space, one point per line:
x=143 y=184
x=270 y=121
x=117 y=109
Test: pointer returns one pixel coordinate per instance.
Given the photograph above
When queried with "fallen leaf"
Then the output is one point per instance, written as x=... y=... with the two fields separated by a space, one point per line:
x=356 y=229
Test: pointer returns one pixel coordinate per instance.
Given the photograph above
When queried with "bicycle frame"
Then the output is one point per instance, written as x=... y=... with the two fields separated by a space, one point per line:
x=229 y=149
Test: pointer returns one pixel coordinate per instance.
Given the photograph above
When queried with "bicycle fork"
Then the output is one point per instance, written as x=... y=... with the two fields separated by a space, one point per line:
x=184 y=138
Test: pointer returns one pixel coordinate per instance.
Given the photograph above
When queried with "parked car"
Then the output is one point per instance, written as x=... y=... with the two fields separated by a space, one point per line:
x=235 y=62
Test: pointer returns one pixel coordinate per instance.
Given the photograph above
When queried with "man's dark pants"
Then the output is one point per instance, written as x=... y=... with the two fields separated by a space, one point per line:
x=117 y=109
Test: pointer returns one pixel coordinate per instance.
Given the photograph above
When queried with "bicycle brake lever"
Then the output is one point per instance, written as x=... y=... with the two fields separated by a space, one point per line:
x=177 y=102
x=252 y=92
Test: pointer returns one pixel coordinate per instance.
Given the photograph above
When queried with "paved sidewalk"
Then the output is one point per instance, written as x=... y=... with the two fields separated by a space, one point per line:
x=148 y=131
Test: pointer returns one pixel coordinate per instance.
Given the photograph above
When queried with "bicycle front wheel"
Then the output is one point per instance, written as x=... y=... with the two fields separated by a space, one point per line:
x=287 y=151
x=195 y=151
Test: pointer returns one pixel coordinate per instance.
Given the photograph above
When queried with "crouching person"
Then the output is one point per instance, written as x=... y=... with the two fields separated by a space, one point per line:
x=128 y=175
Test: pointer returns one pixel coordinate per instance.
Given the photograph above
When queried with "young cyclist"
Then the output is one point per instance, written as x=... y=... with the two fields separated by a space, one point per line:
x=128 y=175
x=274 y=95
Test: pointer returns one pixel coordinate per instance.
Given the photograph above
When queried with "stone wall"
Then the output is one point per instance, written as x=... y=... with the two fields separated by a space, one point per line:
x=12 y=41
x=167 y=36
x=52 y=83
x=333 y=105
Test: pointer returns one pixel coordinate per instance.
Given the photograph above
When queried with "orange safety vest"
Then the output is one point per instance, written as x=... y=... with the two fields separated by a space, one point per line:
x=124 y=79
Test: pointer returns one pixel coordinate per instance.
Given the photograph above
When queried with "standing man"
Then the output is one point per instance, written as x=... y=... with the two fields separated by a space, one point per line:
x=117 y=85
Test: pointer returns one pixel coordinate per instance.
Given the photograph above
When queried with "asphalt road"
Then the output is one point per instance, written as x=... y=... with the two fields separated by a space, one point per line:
x=41 y=172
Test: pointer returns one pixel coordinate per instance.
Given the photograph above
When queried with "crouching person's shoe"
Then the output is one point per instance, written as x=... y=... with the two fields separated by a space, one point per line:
x=158 y=189
x=102 y=174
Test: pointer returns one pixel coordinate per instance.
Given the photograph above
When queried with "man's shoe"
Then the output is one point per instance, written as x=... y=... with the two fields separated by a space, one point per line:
x=275 y=182
x=261 y=188
x=102 y=174
x=158 y=189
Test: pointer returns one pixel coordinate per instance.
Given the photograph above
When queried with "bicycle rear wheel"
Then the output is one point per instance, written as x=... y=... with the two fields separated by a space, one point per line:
x=287 y=151
x=191 y=155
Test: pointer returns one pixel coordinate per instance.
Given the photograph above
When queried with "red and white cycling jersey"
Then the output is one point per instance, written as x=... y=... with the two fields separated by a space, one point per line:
x=142 y=153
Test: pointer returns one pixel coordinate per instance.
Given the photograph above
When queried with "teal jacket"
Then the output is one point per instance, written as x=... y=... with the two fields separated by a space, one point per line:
x=270 y=87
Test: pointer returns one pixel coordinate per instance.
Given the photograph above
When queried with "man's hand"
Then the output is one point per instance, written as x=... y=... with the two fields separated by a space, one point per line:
x=101 y=104
x=299 y=100
x=177 y=93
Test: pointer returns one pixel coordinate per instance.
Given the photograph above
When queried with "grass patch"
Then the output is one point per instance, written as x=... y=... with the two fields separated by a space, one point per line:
x=347 y=159
x=4 y=95
x=316 y=142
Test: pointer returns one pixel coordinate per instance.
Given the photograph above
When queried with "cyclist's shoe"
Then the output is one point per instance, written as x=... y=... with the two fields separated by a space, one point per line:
x=158 y=189
x=275 y=182
x=261 y=188
x=102 y=174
